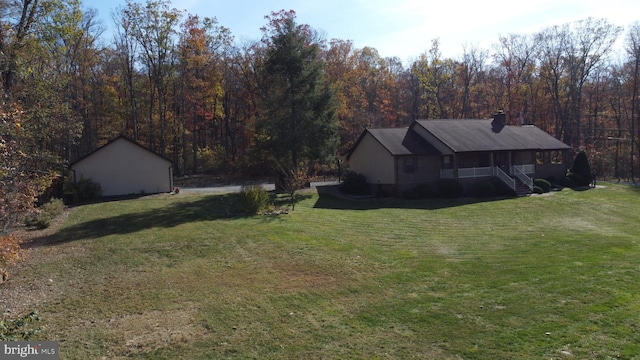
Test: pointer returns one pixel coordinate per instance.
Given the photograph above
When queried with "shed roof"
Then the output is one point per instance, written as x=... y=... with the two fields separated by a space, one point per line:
x=484 y=135
x=114 y=140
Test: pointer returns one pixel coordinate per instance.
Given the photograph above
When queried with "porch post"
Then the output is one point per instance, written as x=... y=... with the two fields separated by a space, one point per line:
x=510 y=166
x=455 y=165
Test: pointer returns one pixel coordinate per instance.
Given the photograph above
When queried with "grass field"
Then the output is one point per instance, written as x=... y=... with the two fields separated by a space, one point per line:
x=173 y=277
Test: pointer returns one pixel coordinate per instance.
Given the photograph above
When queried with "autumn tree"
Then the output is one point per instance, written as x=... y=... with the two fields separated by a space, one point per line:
x=569 y=55
x=201 y=48
x=17 y=26
x=632 y=46
x=342 y=72
x=154 y=27
x=436 y=76
x=298 y=124
x=516 y=54
x=241 y=106
x=468 y=72
x=22 y=177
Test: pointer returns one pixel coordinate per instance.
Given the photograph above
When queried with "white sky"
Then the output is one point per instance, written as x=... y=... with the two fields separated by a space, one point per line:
x=402 y=28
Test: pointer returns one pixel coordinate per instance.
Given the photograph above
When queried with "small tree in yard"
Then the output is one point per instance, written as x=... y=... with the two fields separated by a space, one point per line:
x=293 y=181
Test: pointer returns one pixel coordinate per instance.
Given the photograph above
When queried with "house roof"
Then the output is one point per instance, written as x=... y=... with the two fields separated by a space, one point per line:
x=111 y=142
x=484 y=135
x=399 y=142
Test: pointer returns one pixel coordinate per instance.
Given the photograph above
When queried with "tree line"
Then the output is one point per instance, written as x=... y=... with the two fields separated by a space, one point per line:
x=179 y=84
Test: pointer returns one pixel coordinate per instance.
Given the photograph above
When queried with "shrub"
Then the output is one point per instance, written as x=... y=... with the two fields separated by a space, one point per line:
x=575 y=180
x=538 y=190
x=18 y=329
x=82 y=190
x=568 y=181
x=355 y=184
x=48 y=212
x=424 y=191
x=543 y=184
x=450 y=188
x=484 y=189
x=254 y=198
x=411 y=194
x=580 y=172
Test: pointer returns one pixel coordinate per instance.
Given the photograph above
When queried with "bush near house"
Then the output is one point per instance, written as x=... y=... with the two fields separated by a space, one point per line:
x=83 y=190
x=422 y=191
x=355 y=184
x=542 y=184
x=450 y=188
x=484 y=189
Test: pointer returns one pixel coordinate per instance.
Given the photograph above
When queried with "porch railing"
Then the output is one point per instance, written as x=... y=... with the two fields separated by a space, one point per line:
x=475 y=172
x=518 y=171
x=525 y=168
x=511 y=182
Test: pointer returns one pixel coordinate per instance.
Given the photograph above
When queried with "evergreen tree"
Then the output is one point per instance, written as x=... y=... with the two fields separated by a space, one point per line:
x=580 y=172
x=299 y=124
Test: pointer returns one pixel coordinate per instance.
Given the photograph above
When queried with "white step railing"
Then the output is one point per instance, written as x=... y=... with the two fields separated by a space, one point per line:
x=518 y=171
x=505 y=177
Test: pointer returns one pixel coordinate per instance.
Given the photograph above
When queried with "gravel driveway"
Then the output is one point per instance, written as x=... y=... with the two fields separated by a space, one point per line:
x=236 y=188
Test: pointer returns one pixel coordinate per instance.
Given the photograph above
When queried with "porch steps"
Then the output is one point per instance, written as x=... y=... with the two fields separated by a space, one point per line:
x=521 y=188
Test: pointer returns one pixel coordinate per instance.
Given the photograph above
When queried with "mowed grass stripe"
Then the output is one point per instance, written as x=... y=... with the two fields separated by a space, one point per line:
x=172 y=277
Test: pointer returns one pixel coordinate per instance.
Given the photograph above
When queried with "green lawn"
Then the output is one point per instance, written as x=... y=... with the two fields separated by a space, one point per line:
x=170 y=277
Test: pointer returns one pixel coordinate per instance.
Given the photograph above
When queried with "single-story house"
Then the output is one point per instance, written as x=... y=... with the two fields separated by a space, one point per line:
x=466 y=150
x=124 y=167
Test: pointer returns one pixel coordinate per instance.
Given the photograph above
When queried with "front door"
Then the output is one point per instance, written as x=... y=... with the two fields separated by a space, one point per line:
x=501 y=160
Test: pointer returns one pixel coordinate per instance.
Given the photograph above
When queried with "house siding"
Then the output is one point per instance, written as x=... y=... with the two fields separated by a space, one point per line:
x=373 y=161
x=427 y=172
x=125 y=168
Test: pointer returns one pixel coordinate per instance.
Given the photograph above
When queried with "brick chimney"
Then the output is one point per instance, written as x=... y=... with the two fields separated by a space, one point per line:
x=499 y=121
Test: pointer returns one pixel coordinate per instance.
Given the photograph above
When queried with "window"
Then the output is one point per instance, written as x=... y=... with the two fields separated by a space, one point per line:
x=447 y=162
x=556 y=157
x=410 y=164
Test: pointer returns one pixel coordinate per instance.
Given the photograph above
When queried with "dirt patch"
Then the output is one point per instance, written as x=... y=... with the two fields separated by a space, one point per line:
x=154 y=329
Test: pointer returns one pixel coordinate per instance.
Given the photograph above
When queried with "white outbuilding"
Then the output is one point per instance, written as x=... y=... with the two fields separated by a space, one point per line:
x=124 y=167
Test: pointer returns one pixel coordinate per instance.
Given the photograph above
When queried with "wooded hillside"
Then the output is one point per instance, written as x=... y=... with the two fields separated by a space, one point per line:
x=179 y=84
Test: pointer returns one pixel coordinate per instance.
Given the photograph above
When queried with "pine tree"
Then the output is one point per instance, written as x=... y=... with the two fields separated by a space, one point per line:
x=299 y=124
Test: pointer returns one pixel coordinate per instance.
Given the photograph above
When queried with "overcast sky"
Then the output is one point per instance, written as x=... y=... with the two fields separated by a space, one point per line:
x=402 y=28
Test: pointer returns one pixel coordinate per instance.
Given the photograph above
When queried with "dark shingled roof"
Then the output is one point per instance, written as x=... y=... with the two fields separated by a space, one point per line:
x=483 y=135
x=399 y=142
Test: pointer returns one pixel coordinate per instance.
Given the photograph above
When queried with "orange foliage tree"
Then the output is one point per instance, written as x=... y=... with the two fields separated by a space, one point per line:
x=19 y=183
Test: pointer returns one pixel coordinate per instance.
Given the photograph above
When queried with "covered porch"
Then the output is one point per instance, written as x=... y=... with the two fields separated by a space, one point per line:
x=512 y=167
